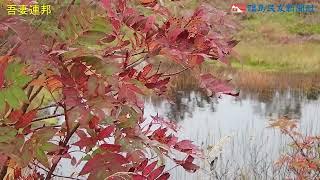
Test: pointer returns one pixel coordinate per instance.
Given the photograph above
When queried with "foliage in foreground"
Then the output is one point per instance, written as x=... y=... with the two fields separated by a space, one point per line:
x=91 y=65
x=303 y=159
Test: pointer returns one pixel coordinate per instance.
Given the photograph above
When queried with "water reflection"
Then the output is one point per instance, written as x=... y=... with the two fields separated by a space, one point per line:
x=185 y=102
x=270 y=103
x=253 y=148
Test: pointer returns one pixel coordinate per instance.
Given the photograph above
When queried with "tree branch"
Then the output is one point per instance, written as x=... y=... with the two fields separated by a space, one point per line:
x=47 y=117
x=172 y=74
x=137 y=62
x=49 y=106
x=66 y=118
x=35 y=94
x=64 y=144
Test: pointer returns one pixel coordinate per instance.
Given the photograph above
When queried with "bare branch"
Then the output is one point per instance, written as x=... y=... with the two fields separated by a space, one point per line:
x=64 y=144
x=49 y=106
x=176 y=73
x=47 y=117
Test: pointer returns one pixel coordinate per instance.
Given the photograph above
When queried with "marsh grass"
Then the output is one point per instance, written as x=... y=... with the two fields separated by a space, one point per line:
x=257 y=56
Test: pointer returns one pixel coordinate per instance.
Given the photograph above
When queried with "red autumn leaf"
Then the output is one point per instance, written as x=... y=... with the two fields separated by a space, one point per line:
x=173 y=34
x=183 y=36
x=134 y=88
x=108 y=38
x=138 y=177
x=142 y=165
x=3 y=159
x=26 y=119
x=159 y=84
x=188 y=164
x=81 y=134
x=149 y=23
x=131 y=72
x=111 y=147
x=111 y=161
x=93 y=123
x=106 y=132
x=126 y=94
x=154 y=78
x=186 y=146
x=85 y=142
x=215 y=85
x=149 y=168
x=53 y=83
x=165 y=122
x=155 y=173
x=139 y=23
x=15 y=116
x=142 y=74
x=195 y=60
x=73 y=161
x=164 y=176
x=313 y=165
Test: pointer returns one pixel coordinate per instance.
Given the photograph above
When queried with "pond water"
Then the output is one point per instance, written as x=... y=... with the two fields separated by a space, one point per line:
x=237 y=128
x=249 y=148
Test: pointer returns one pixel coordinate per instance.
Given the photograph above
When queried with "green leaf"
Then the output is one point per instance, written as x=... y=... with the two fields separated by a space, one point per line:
x=101 y=67
x=12 y=100
x=109 y=69
x=2 y=102
x=22 y=80
x=89 y=156
x=90 y=38
x=128 y=117
x=49 y=147
x=42 y=157
x=19 y=93
x=45 y=134
x=14 y=74
x=27 y=153
x=101 y=24
x=7 y=134
x=13 y=70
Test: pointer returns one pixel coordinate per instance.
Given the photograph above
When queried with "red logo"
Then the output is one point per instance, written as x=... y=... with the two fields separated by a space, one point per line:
x=238 y=8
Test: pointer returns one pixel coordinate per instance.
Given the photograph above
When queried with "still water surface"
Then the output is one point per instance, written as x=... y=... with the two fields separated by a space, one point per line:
x=250 y=147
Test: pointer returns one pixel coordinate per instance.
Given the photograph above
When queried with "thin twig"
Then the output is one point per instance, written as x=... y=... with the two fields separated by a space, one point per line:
x=44 y=126
x=35 y=94
x=172 y=74
x=139 y=53
x=66 y=118
x=158 y=67
x=49 y=106
x=47 y=117
x=137 y=62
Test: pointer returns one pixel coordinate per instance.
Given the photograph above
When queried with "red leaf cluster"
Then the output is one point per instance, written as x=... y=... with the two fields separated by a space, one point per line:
x=94 y=68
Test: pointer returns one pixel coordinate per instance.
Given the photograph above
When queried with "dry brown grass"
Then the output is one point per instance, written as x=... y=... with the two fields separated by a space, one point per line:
x=252 y=80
